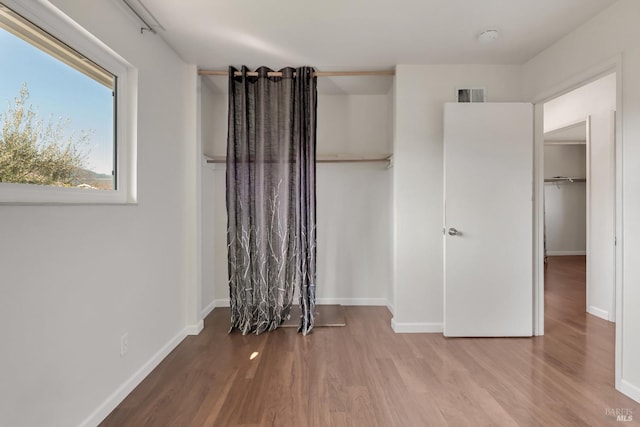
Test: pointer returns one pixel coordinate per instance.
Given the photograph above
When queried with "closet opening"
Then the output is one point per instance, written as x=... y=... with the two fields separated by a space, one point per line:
x=353 y=184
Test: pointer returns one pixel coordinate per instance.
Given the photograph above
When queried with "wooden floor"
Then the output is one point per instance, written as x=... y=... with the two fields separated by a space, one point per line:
x=366 y=375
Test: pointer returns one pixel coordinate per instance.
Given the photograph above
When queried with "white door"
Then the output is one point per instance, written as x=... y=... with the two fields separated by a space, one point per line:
x=488 y=263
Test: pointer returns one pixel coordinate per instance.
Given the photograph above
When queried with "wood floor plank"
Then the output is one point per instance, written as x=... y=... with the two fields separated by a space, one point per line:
x=364 y=374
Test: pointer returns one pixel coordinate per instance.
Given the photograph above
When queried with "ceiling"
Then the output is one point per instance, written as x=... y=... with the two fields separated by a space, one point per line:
x=363 y=34
x=574 y=133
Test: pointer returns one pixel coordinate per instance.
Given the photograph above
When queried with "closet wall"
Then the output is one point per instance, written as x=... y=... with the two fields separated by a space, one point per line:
x=353 y=199
x=565 y=203
x=213 y=110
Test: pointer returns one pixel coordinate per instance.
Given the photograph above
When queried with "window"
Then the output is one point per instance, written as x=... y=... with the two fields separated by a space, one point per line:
x=62 y=117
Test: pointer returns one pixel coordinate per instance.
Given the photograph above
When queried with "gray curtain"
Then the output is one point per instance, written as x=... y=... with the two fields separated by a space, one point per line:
x=271 y=198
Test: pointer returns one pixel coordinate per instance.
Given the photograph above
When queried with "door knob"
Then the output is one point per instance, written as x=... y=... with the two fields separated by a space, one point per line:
x=453 y=232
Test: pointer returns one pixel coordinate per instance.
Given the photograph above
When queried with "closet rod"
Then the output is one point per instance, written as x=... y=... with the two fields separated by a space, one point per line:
x=316 y=74
x=564 y=179
x=383 y=159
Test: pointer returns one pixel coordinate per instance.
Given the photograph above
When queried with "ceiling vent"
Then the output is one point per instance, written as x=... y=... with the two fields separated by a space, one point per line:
x=471 y=94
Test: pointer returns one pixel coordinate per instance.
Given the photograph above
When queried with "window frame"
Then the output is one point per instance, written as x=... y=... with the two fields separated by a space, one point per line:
x=59 y=25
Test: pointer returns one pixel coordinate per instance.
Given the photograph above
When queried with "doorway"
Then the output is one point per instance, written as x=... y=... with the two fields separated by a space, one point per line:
x=593 y=98
x=566 y=209
x=565 y=190
x=579 y=192
x=487 y=237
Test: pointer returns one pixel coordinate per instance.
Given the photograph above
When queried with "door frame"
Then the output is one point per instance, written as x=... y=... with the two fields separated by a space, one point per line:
x=614 y=64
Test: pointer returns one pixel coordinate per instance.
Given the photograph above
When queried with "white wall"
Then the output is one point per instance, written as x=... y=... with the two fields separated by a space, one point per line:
x=353 y=124
x=353 y=200
x=611 y=33
x=565 y=219
x=596 y=100
x=214 y=219
x=420 y=94
x=565 y=160
x=354 y=222
x=75 y=278
x=595 y=97
x=354 y=233
x=565 y=204
x=210 y=131
x=214 y=123
x=209 y=267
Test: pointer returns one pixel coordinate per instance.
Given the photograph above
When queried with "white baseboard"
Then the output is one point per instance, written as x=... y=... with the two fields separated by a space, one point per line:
x=603 y=314
x=390 y=307
x=416 y=328
x=208 y=309
x=630 y=390
x=195 y=329
x=324 y=301
x=127 y=387
x=353 y=301
x=565 y=253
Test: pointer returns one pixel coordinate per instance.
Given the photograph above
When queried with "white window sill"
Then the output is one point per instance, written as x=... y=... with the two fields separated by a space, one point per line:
x=24 y=194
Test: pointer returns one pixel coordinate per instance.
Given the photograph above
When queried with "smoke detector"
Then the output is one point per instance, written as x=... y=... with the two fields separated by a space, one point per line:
x=487 y=36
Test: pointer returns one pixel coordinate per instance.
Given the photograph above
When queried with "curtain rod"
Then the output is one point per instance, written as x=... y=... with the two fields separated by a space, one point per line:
x=316 y=74
x=146 y=26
